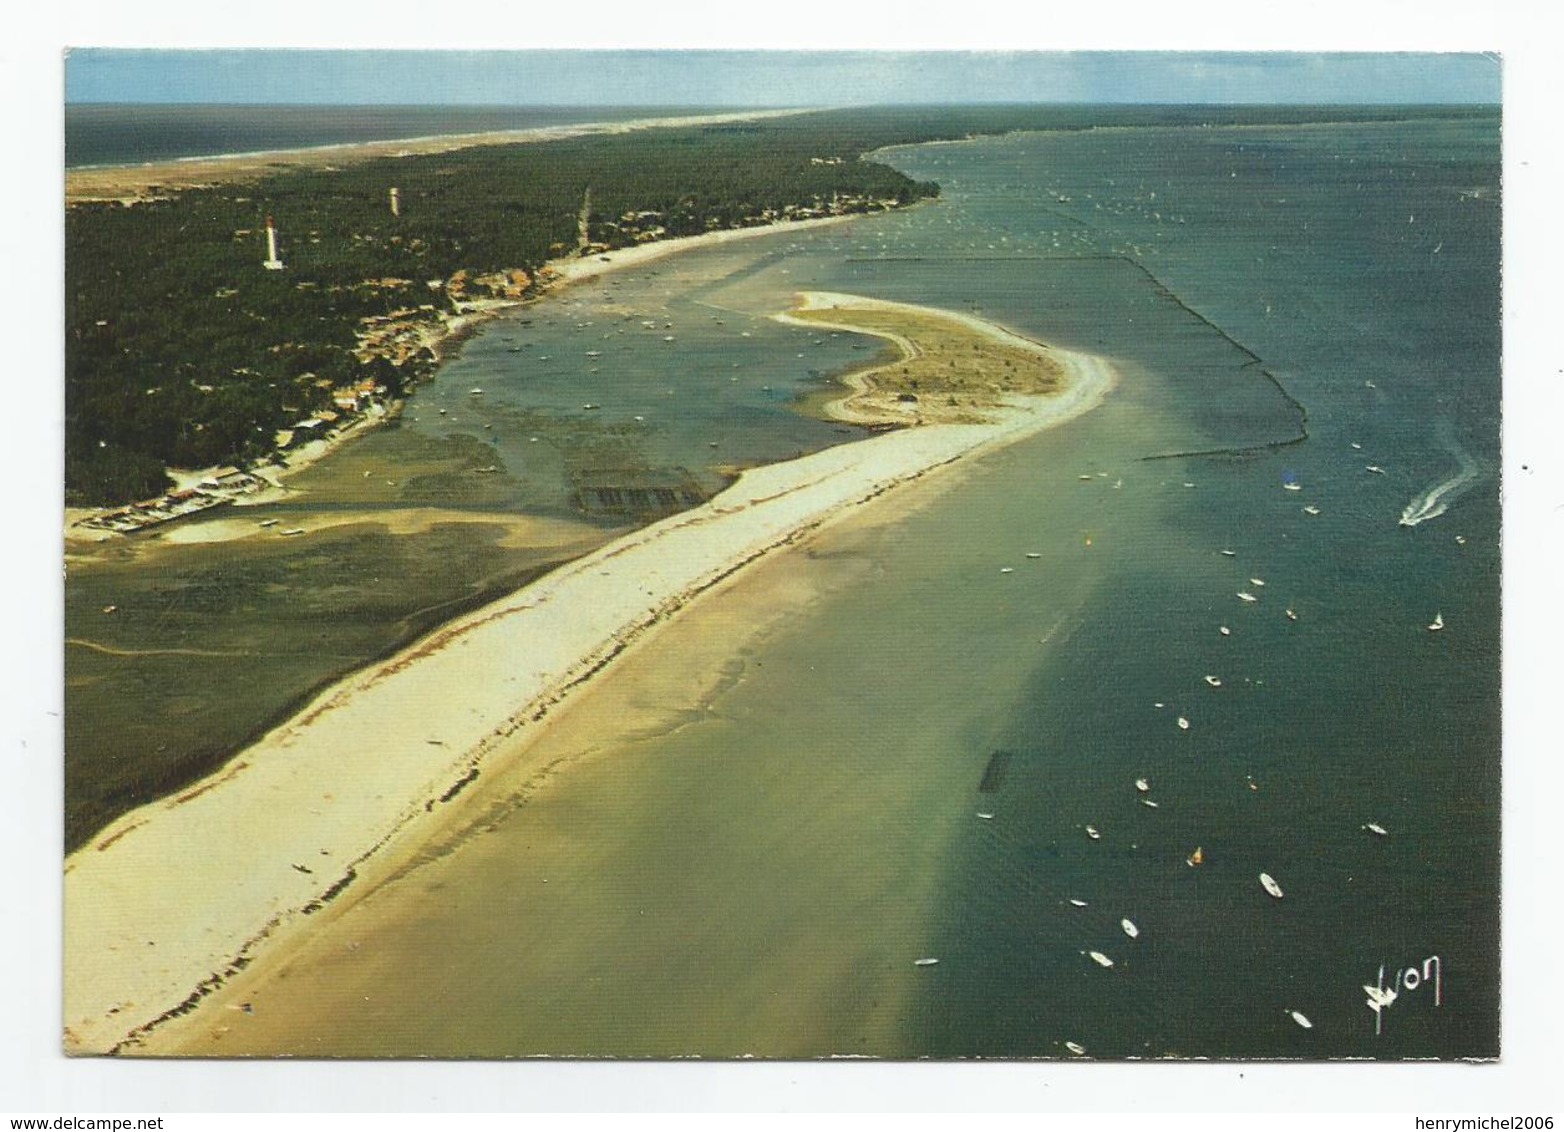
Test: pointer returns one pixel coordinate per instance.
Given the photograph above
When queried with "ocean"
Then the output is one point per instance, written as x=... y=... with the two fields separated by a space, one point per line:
x=932 y=745
x=132 y=134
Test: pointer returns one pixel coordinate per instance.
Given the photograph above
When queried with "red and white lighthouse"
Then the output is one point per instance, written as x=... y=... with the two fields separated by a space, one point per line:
x=272 y=262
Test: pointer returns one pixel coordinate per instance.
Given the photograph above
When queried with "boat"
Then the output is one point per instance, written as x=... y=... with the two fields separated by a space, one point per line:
x=1257 y=581
x=1087 y=478
x=594 y=353
x=1269 y=884
x=1147 y=802
x=1214 y=681
x=1091 y=831
x=1301 y=1020
x=1183 y=724
x=1376 y=469
x=1375 y=828
x=1437 y=623
x=110 y=608
x=1197 y=858
x=928 y=962
x=589 y=406
x=1229 y=553
x=1245 y=595
x=274 y=522
x=1311 y=510
x=1007 y=569
x=1142 y=785
x=985 y=815
x=1129 y=928
x=475 y=392
x=1078 y=903
x=1100 y=959
x=1076 y=1048
x=1224 y=630
x=1292 y=486
x=1033 y=554
x=292 y=531
x=1291 y=616
x=1358 y=446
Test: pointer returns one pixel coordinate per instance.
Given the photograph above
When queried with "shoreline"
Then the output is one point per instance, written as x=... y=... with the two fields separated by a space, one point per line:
x=133 y=182
x=319 y=802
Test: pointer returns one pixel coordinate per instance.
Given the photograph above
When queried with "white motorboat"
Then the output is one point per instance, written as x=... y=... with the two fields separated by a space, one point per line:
x=1214 y=681
x=1129 y=928
x=1245 y=595
x=1376 y=829
x=1100 y=959
x=1269 y=884
x=1301 y=1020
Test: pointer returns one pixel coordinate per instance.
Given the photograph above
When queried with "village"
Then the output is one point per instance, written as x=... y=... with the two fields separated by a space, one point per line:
x=409 y=338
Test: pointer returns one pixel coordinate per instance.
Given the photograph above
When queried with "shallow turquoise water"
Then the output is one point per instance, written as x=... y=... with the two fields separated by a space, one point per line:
x=1255 y=286
x=1298 y=303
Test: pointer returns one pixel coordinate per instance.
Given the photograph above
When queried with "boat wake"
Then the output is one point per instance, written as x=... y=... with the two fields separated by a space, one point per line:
x=1433 y=502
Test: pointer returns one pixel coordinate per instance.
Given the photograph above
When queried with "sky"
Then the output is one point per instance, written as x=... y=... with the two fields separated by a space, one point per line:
x=772 y=78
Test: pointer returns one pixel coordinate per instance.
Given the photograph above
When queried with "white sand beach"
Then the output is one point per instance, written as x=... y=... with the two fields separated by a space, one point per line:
x=176 y=895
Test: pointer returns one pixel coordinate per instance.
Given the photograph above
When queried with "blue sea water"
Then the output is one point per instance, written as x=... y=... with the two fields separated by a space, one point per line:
x=1314 y=311
x=1306 y=323
x=131 y=134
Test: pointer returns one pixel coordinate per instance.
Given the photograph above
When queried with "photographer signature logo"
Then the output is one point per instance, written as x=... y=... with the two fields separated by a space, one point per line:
x=1382 y=996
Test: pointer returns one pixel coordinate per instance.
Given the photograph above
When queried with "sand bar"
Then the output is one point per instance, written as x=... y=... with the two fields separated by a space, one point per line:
x=177 y=895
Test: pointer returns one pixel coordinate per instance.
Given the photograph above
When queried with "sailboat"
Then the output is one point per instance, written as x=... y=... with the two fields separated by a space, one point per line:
x=1437 y=624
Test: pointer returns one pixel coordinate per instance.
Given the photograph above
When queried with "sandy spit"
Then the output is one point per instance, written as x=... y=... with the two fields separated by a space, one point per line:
x=176 y=896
